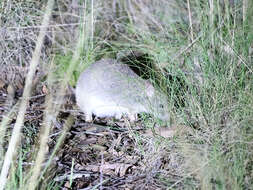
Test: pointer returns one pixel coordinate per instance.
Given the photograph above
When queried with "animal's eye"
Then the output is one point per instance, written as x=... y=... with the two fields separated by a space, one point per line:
x=161 y=106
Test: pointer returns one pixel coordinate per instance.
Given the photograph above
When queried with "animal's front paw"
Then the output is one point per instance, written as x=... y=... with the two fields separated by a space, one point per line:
x=88 y=117
x=118 y=116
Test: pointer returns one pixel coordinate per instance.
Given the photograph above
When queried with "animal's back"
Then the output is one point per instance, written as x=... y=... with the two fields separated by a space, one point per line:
x=108 y=83
x=108 y=88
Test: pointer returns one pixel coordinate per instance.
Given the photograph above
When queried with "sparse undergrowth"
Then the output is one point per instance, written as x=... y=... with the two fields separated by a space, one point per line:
x=199 y=52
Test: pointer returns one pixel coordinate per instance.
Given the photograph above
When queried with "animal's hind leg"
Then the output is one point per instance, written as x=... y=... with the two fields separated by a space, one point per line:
x=133 y=117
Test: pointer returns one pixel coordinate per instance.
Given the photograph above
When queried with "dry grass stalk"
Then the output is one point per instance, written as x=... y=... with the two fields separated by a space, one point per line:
x=190 y=19
x=6 y=120
x=49 y=115
x=59 y=142
x=244 y=10
x=28 y=85
x=53 y=112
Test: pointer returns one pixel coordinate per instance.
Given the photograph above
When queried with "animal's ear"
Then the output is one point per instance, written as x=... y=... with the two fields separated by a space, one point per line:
x=150 y=90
